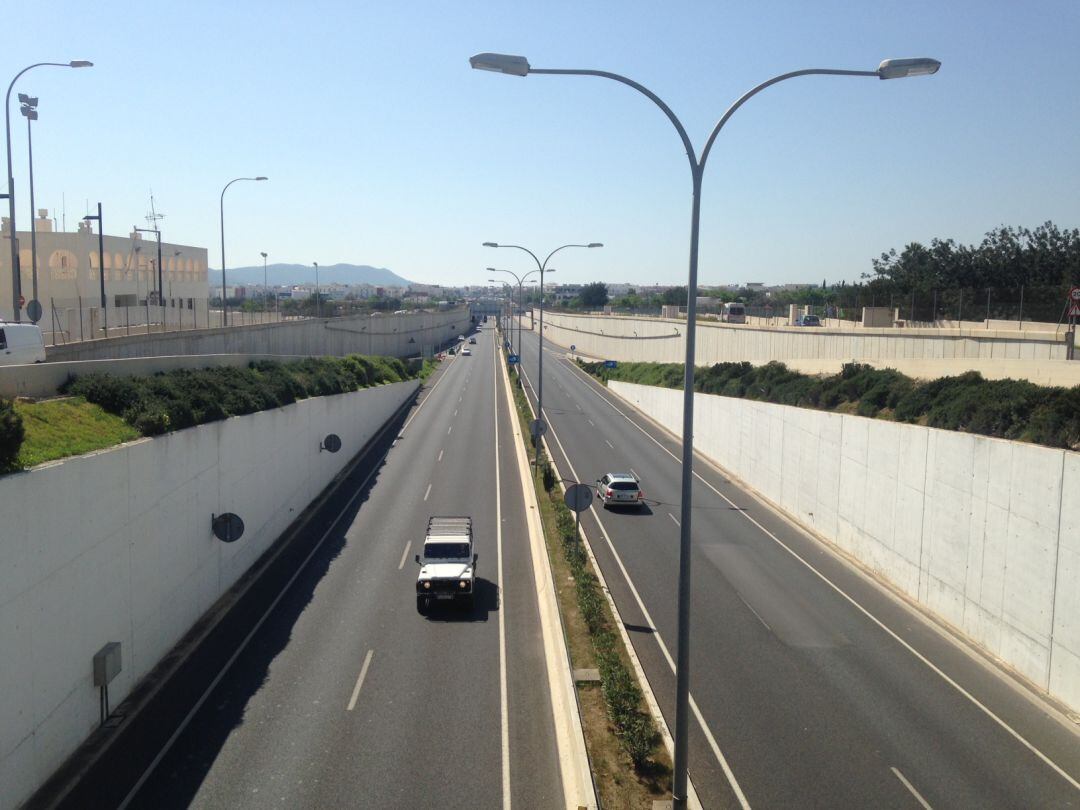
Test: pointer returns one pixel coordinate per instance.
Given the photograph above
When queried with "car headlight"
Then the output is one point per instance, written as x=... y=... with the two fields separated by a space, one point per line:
x=427 y=584
x=463 y=584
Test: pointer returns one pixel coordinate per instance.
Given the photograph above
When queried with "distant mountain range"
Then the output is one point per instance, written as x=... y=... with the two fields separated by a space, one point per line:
x=282 y=274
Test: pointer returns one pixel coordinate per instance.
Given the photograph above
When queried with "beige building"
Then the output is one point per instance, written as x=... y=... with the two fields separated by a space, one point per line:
x=69 y=283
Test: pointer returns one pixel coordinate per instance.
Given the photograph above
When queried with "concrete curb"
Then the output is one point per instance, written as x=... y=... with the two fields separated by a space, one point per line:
x=578 y=788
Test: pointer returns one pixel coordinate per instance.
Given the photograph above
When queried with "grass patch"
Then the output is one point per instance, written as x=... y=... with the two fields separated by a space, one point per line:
x=58 y=428
x=630 y=766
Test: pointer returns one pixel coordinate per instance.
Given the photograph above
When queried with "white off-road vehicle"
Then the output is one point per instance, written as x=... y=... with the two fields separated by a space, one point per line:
x=448 y=564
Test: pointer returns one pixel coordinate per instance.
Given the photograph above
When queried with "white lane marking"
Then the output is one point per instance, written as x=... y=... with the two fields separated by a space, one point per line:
x=459 y=399
x=728 y=773
x=591 y=422
x=404 y=555
x=455 y=411
x=577 y=406
x=634 y=474
x=674 y=519
x=440 y=456
x=360 y=681
x=504 y=706
x=751 y=609
x=449 y=429
x=428 y=492
x=251 y=633
x=851 y=600
x=421 y=405
x=609 y=444
x=914 y=792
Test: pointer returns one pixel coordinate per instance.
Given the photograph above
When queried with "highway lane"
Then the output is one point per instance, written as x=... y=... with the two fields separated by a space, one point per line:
x=346 y=696
x=809 y=700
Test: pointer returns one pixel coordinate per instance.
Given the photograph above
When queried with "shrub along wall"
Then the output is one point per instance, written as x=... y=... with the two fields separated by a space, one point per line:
x=1006 y=409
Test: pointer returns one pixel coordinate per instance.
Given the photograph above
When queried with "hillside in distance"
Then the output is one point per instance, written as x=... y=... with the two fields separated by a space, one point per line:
x=284 y=274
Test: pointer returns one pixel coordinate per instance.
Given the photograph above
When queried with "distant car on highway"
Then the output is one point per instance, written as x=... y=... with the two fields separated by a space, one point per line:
x=808 y=320
x=21 y=343
x=465 y=351
x=619 y=489
x=461 y=338
x=472 y=340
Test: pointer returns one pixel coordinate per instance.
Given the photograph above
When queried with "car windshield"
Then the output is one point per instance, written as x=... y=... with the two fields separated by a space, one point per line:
x=446 y=551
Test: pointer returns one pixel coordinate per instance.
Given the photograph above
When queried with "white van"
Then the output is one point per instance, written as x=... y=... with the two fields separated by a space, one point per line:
x=21 y=343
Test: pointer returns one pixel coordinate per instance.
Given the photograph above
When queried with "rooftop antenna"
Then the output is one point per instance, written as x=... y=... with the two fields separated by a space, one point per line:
x=153 y=217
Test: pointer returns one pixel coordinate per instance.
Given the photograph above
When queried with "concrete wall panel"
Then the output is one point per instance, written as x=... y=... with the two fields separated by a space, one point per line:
x=116 y=546
x=985 y=533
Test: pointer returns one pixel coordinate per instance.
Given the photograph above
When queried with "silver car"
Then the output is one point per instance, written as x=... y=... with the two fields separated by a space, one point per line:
x=619 y=489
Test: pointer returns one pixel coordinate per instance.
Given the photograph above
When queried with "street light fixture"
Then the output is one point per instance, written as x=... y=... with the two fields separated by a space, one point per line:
x=542 y=265
x=519 y=66
x=160 y=281
x=16 y=280
x=224 y=300
x=521 y=298
x=28 y=109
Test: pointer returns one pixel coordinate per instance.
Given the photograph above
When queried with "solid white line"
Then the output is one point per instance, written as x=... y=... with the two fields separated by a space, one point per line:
x=933 y=667
x=404 y=555
x=674 y=518
x=609 y=444
x=251 y=633
x=428 y=492
x=911 y=787
x=440 y=456
x=634 y=474
x=751 y=609
x=360 y=681
x=504 y=706
x=421 y=405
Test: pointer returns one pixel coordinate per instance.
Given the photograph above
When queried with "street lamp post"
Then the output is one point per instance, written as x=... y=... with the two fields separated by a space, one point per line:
x=318 y=301
x=542 y=266
x=519 y=66
x=101 y=267
x=160 y=284
x=224 y=301
x=29 y=111
x=521 y=299
x=509 y=299
x=266 y=287
x=16 y=280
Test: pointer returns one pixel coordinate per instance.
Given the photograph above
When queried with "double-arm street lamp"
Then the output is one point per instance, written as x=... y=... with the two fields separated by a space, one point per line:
x=16 y=280
x=224 y=300
x=509 y=301
x=519 y=66
x=521 y=299
x=542 y=267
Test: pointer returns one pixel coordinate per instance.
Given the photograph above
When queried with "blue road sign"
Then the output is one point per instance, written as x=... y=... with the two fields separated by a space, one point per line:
x=610 y=364
x=512 y=359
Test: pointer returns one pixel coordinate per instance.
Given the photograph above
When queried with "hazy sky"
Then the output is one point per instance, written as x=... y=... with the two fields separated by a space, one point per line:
x=383 y=147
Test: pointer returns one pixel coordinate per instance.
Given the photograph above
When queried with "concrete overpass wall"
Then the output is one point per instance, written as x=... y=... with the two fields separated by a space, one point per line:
x=661 y=340
x=984 y=533
x=116 y=546
x=388 y=335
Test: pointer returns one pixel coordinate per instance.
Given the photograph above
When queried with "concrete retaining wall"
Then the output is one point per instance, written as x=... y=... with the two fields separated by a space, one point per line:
x=387 y=335
x=44 y=379
x=661 y=340
x=983 y=532
x=116 y=546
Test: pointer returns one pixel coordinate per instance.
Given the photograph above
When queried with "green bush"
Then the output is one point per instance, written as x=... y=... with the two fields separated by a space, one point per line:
x=187 y=397
x=1008 y=409
x=11 y=433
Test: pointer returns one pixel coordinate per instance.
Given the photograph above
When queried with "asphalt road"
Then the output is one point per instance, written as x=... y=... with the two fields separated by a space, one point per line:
x=346 y=696
x=816 y=686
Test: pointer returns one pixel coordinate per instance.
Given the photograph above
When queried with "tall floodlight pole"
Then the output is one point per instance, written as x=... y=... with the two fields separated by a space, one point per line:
x=542 y=266
x=318 y=302
x=519 y=66
x=224 y=302
x=16 y=280
x=101 y=267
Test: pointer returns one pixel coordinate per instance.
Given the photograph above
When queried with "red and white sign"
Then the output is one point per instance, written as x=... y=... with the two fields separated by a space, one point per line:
x=22 y=301
x=1074 y=294
x=1074 y=302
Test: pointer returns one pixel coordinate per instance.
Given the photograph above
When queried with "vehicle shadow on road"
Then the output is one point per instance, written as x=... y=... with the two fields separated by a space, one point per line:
x=485 y=601
x=632 y=511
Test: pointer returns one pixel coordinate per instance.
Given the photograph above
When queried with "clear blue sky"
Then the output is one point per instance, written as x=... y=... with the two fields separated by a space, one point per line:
x=384 y=148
